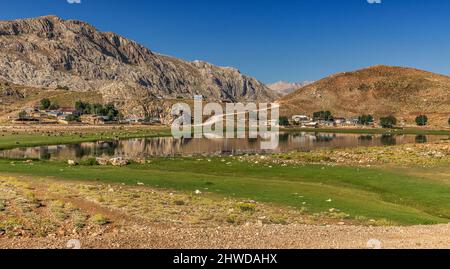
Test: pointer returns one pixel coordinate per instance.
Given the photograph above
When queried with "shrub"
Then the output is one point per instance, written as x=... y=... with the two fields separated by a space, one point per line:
x=422 y=120
x=99 y=219
x=2 y=205
x=388 y=122
x=89 y=162
x=247 y=207
x=79 y=220
x=73 y=118
x=232 y=219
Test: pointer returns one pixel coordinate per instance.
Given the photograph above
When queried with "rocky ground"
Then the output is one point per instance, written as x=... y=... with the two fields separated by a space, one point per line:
x=43 y=213
x=422 y=155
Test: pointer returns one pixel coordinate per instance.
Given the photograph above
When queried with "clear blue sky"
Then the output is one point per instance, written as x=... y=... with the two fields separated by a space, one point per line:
x=271 y=40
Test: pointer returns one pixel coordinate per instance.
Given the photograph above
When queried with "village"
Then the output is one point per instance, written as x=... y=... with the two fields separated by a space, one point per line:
x=81 y=113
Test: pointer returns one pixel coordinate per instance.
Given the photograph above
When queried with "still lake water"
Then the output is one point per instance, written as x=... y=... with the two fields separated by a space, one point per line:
x=167 y=146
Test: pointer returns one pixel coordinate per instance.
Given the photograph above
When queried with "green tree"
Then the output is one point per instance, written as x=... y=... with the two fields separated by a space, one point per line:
x=283 y=121
x=388 y=122
x=365 y=119
x=82 y=107
x=323 y=115
x=97 y=109
x=448 y=121
x=45 y=103
x=422 y=120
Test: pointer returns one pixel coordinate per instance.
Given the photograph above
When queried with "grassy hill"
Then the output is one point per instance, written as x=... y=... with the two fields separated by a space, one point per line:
x=380 y=91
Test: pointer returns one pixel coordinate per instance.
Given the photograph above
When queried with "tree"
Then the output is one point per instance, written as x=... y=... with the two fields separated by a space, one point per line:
x=323 y=115
x=365 y=119
x=448 y=121
x=83 y=108
x=422 y=120
x=72 y=118
x=45 y=103
x=388 y=122
x=283 y=121
x=97 y=109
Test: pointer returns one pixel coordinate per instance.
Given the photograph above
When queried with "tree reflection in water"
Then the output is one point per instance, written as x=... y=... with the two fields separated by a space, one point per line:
x=152 y=147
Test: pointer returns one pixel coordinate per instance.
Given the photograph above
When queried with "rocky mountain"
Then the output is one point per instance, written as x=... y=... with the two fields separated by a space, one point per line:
x=380 y=91
x=50 y=52
x=284 y=88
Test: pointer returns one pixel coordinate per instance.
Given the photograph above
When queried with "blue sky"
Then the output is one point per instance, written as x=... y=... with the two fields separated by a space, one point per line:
x=271 y=40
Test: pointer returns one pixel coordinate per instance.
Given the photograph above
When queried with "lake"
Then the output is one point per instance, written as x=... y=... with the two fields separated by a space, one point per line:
x=167 y=146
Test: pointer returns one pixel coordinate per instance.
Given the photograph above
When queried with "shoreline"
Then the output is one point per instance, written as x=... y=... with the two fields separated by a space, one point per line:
x=20 y=136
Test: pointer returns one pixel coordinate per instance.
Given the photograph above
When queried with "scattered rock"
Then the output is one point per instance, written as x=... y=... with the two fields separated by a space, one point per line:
x=102 y=161
x=119 y=161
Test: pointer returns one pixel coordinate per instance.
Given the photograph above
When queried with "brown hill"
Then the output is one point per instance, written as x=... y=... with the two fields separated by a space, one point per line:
x=380 y=91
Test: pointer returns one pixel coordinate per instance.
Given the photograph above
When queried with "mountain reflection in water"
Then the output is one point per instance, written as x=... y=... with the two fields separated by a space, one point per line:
x=152 y=147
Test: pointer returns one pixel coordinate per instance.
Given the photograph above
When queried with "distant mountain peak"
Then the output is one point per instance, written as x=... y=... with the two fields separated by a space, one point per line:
x=284 y=87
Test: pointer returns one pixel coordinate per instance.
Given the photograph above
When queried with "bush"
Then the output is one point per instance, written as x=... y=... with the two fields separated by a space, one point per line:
x=45 y=103
x=2 y=205
x=388 y=122
x=232 y=219
x=247 y=207
x=89 y=162
x=99 y=219
x=422 y=120
x=72 y=118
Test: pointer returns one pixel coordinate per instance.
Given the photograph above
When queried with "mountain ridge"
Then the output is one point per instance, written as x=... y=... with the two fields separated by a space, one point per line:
x=49 y=52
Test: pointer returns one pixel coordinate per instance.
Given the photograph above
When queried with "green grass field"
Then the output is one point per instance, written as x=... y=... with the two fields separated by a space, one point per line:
x=384 y=195
x=24 y=139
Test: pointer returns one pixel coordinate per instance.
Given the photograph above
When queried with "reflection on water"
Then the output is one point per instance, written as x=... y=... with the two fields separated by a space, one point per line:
x=139 y=148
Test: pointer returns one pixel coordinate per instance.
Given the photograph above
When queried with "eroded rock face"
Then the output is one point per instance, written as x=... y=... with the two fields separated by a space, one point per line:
x=51 y=52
